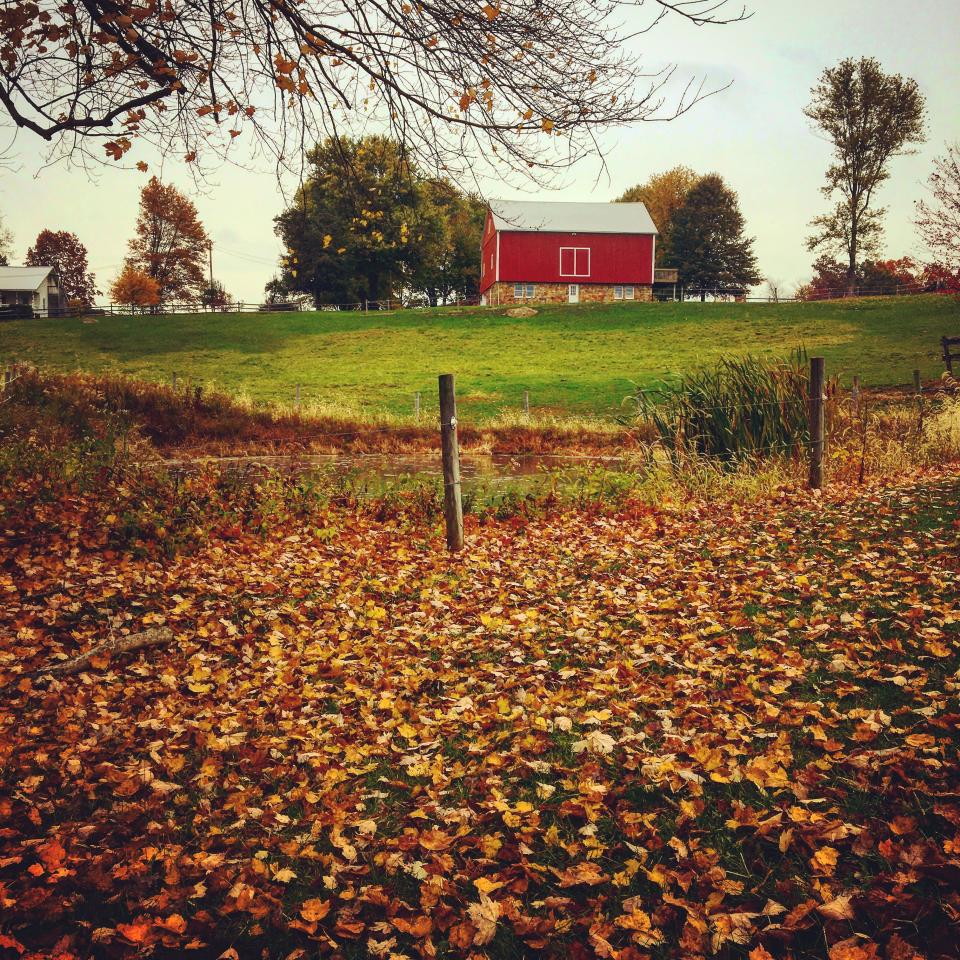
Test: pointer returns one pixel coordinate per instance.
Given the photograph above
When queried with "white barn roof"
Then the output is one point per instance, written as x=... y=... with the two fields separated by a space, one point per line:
x=539 y=216
x=23 y=278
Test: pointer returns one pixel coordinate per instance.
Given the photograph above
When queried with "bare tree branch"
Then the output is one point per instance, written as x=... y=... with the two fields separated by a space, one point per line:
x=526 y=85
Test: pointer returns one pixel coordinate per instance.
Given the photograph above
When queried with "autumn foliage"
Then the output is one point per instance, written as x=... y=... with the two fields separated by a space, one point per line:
x=170 y=244
x=135 y=288
x=703 y=729
x=456 y=83
x=64 y=252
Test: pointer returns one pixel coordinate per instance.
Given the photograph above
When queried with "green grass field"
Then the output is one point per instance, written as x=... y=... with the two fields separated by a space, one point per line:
x=579 y=359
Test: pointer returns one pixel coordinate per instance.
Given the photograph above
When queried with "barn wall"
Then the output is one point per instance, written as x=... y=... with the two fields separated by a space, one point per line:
x=501 y=294
x=488 y=255
x=614 y=258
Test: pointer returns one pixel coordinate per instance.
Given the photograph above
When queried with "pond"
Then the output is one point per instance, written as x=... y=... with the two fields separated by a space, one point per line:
x=485 y=467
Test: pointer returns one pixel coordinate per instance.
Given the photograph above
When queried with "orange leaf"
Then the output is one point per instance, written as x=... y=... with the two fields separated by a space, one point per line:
x=314 y=910
x=174 y=923
x=134 y=932
x=52 y=854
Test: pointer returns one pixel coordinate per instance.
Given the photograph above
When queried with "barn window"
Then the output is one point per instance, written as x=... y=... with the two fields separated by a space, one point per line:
x=574 y=261
x=618 y=293
x=628 y=293
x=523 y=291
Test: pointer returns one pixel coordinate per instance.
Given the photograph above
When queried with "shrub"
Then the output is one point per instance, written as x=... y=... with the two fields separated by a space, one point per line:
x=743 y=407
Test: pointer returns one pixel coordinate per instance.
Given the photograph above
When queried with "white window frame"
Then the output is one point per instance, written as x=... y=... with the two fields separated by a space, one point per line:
x=618 y=293
x=575 y=250
x=629 y=292
x=524 y=291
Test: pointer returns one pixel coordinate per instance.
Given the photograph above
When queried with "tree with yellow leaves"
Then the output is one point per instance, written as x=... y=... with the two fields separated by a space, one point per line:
x=663 y=194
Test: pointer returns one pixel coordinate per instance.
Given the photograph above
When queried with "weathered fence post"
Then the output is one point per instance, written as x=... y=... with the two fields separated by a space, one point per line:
x=918 y=393
x=416 y=405
x=816 y=423
x=526 y=403
x=173 y=380
x=947 y=355
x=298 y=398
x=7 y=378
x=855 y=394
x=450 y=451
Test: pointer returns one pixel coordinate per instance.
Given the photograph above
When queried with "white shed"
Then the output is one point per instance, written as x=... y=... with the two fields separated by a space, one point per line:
x=34 y=287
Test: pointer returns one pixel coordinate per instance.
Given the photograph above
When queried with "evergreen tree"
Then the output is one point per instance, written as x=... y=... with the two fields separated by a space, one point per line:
x=708 y=244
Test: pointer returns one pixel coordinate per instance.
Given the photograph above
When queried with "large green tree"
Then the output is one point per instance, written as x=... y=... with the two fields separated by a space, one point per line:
x=869 y=117
x=367 y=226
x=708 y=243
x=663 y=194
x=446 y=262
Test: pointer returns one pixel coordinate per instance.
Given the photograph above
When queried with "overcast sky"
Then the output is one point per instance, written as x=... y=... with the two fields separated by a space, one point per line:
x=754 y=134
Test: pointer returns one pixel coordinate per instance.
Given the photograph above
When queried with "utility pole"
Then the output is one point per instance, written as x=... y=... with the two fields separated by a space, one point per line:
x=210 y=252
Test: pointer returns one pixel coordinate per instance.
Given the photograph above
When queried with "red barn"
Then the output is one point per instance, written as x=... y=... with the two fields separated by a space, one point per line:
x=566 y=252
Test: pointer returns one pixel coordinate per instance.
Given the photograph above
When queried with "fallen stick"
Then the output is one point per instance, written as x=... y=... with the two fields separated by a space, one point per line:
x=154 y=637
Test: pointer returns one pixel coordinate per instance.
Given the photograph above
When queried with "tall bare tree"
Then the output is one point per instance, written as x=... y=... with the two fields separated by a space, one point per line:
x=869 y=116
x=6 y=242
x=939 y=219
x=452 y=81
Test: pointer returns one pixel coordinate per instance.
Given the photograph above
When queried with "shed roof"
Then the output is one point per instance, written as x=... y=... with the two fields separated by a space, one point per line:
x=539 y=216
x=23 y=278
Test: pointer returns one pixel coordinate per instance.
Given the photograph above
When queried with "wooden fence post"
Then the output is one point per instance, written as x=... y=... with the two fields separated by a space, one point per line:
x=526 y=403
x=918 y=393
x=947 y=356
x=298 y=398
x=173 y=380
x=450 y=451
x=816 y=423
x=416 y=405
x=855 y=394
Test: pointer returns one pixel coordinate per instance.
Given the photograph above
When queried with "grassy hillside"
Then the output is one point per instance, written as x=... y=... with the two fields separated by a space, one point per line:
x=577 y=358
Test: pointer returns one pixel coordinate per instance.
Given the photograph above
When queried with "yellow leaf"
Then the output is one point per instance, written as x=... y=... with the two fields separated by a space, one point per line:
x=825 y=861
x=485 y=885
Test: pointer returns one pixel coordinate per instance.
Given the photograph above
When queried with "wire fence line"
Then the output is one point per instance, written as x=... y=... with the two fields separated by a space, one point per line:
x=304 y=305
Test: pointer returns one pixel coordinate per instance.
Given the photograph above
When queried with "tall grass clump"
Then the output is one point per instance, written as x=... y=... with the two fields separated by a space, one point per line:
x=743 y=407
